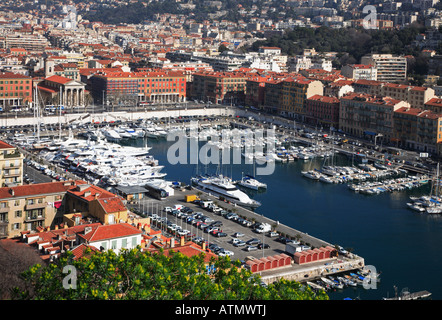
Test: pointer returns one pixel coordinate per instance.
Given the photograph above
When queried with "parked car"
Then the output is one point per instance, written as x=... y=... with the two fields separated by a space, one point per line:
x=253 y=241
x=220 y=234
x=263 y=246
x=251 y=248
x=239 y=243
x=238 y=234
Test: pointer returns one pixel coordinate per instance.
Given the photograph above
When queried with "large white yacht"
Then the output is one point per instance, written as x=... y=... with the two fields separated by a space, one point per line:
x=223 y=187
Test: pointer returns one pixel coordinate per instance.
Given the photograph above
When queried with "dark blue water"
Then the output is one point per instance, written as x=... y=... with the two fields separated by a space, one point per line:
x=401 y=244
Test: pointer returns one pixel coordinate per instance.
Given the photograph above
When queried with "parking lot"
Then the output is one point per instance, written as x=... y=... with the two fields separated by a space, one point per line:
x=195 y=223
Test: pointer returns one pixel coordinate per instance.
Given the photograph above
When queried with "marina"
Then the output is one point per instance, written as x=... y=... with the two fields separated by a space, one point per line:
x=329 y=201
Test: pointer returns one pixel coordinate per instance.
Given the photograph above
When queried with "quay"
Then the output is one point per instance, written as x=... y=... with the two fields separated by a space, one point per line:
x=293 y=271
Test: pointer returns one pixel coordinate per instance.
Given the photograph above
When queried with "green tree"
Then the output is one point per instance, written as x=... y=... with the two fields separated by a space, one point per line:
x=136 y=275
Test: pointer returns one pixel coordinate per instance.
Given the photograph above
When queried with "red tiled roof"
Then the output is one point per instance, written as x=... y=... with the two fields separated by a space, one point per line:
x=434 y=102
x=112 y=204
x=4 y=145
x=79 y=251
x=111 y=231
x=11 y=75
x=58 y=79
x=36 y=189
x=191 y=249
x=91 y=192
x=326 y=99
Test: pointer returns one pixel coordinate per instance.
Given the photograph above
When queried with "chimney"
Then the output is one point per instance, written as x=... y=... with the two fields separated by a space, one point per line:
x=172 y=243
x=56 y=227
x=203 y=245
x=182 y=241
x=12 y=192
x=65 y=226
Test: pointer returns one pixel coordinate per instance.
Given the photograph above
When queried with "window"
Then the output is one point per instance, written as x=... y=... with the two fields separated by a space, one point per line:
x=124 y=243
x=134 y=241
x=18 y=214
x=114 y=244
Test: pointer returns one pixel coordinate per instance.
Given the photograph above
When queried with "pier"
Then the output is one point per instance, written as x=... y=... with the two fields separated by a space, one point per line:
x=297 y=272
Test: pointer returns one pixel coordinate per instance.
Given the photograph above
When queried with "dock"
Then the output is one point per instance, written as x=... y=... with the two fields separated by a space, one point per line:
x=297 y=272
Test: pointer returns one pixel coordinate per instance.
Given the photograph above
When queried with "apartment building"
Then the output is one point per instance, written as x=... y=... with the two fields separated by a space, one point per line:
x=30 y=207
x=359 y=72
x=219 y=87
x=130 y=88
x=368 y=116
x=418 y=129
x=295 y=92
x=322 y=111
x=273 y=95
x=434 y=104
x=389 y=68
x=11 y=165
x=415 y=95
x=35 y=207
x=29 y=42
x=15 y=90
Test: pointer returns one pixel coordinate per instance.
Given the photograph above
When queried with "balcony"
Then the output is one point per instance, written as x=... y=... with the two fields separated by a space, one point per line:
x=34 y=206
x=15 y=154
x=4 y=209
x=11 y=166
x=34 y=217
x=11 y=174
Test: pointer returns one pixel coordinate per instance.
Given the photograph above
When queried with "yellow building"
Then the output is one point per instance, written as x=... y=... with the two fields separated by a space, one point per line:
x=295 y=92
x=36 y=207
x=11 y=165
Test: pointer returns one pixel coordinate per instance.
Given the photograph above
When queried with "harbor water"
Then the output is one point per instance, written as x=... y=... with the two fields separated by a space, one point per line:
x=401 y=244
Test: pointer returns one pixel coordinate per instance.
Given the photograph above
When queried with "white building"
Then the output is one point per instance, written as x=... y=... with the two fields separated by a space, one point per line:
x=111 y=237
x=359 y=72
x=389 y=68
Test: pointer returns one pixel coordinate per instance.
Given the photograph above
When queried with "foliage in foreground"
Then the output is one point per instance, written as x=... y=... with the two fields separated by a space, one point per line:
x=134 y=275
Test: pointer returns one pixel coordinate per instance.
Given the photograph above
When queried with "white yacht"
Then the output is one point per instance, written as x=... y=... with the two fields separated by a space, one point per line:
x=311 y=174
x=415 y=207
x=251 y=183
x=223 y=187
x=111 y=134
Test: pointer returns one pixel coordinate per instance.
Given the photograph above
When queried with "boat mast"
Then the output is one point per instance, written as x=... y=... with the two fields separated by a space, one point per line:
x=59 y=114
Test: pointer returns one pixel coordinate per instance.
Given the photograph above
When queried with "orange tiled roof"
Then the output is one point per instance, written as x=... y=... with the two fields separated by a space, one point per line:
x=111 y=231
x=58 y=79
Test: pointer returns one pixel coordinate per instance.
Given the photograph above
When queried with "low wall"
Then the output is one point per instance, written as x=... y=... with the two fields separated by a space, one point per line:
x=307 y=273
x=122 y=115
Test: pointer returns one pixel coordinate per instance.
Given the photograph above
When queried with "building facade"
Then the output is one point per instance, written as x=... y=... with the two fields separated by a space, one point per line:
x=323 y=111
x=389 y=68
x=15 y=90
x=132 y=88
x=11 y=165
x=368 y=116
